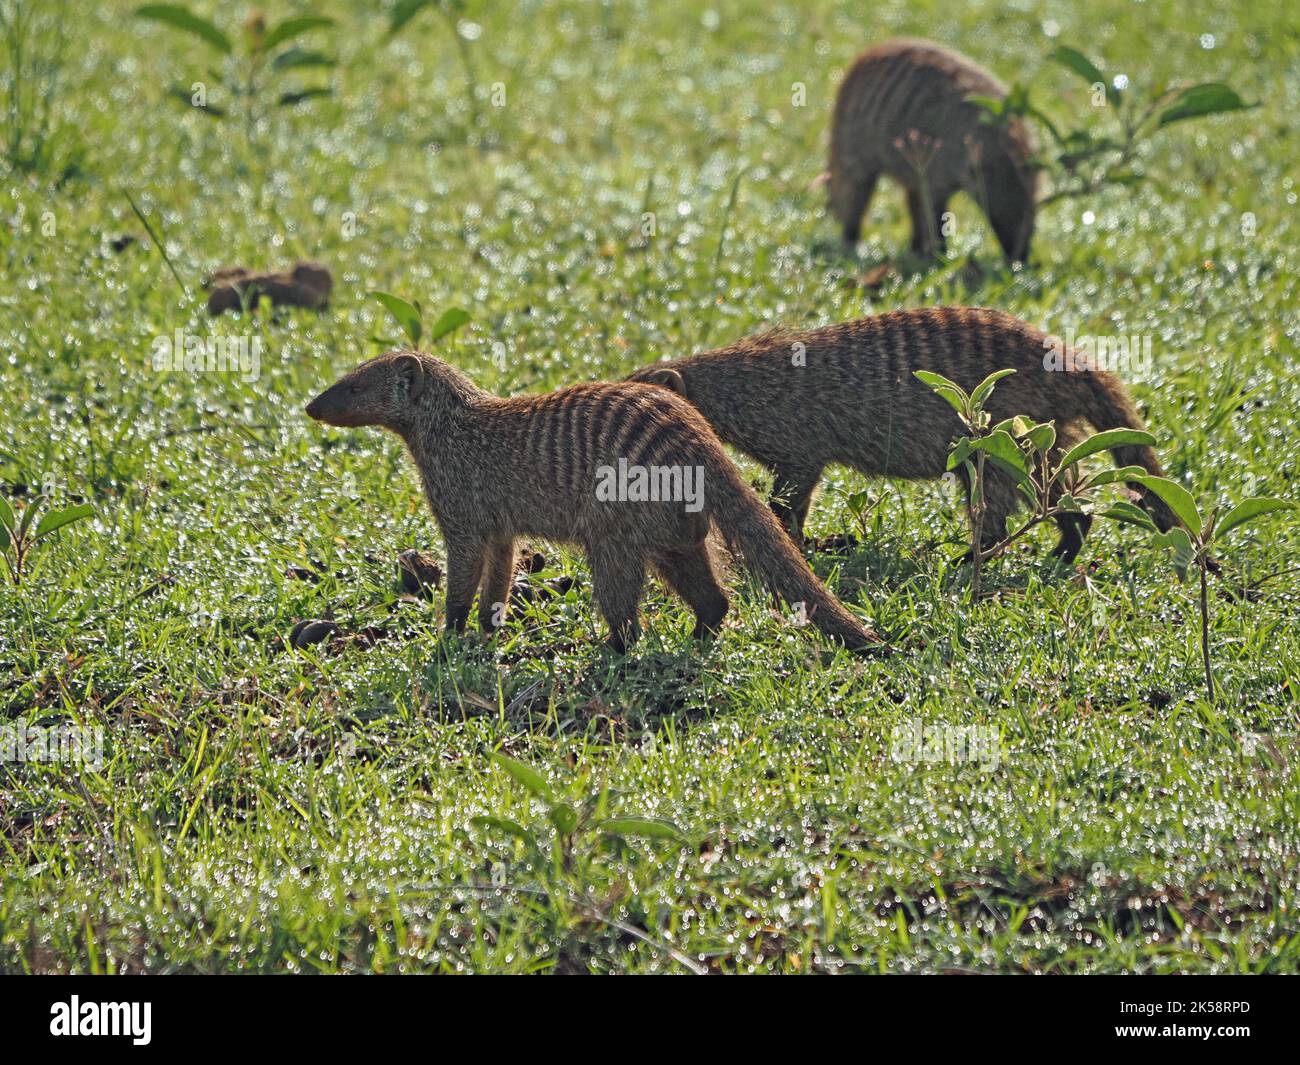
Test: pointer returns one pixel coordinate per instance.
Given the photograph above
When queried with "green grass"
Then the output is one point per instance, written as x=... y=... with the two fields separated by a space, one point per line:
x=260 y=809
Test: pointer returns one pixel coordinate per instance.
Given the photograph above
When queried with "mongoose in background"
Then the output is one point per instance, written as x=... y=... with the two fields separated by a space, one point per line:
x=903 y=109
x=845 y=393
x=306 y=285
x=496 y=469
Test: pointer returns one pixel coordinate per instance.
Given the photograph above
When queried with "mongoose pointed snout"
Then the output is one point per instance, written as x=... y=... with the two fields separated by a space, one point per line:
x=338 y=407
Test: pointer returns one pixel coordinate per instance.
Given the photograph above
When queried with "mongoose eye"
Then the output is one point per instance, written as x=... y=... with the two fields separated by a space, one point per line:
x=357 y=388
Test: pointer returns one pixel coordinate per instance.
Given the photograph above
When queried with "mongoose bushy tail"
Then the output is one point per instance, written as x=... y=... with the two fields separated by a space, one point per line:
x=904 y=110
x=846 y=394
x=629 y=472
x=754 y=535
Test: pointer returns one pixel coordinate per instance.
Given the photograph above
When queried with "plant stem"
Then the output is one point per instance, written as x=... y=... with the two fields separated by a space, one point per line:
x=1205 y=624
x=977 y=526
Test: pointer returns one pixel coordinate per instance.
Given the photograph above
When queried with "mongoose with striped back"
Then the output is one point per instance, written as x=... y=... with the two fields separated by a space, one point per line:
x=904 y=110
x=798 y=401
x=495 y=469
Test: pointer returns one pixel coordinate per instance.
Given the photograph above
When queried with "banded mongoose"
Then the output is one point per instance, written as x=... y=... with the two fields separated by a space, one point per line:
x=308 y=285
x=497 y=469
x=797 y=401
x=904 y=110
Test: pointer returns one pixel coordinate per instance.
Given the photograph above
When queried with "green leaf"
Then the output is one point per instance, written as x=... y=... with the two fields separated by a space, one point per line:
x=57 y=519
x=7 y=520
x=293 y=27
x=1123 y=473
x=501 y=824
x=1017 y=426
x=994 y=106
x=404 y=12
x=1073 y=59
x=293 y=58
x=451 y=319
x=650 y=827
x=1042 y=436
x=985 y=388
x=1178 y=498
x=1002 y=450
x=1249 y=509
x=1130 y=513
x=949 y=390
x=29 y=515
x=524 y=774
x=1111 y=438
x=407 y=315
x=1181 y=544
x=187 y=98
x=960 y=452
x=183 y=19
x=564 y=817
x=1210 y=99
x=288 y=99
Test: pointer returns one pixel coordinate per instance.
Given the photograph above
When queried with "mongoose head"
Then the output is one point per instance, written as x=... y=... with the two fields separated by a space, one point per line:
x=1012 y=191
x=663 y=376
x=313 y=276
x=396 y=391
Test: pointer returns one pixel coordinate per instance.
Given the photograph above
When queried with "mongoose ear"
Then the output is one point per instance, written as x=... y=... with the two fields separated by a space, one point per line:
x=669 y=379
x=412 y=372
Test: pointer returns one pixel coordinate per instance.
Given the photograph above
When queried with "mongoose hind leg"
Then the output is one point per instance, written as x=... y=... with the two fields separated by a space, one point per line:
x=1074 y=527
x=617 y=581
x=689 y=573
x=856 y=199
x=498 y=576
x=464 y=571
x=792 y=492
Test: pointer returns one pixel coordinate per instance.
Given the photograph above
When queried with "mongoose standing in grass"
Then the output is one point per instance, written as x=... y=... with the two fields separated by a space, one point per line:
x=797 y=401
x=306 y=285
x=554 y=466
x=903 y=109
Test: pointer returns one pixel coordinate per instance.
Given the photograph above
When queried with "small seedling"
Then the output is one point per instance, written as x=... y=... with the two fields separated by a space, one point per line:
x=1191 y=544
x=410 y=316
x=20 y=532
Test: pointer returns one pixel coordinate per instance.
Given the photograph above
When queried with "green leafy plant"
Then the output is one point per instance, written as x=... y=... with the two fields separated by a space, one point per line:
x=566 y=845
x=264 y=53
x=569 y=823
x=20 y=532
x=1082 y=160
x=1023 y=449
x=410 y=316
x=1191 y=544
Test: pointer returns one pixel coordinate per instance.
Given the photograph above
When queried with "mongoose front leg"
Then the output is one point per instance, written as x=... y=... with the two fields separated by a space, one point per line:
x=617 y=580
x=689 y=573
x=792 y=492
x=927 y=208
x=464 y=571
x=499 y=574
x=1000 y=500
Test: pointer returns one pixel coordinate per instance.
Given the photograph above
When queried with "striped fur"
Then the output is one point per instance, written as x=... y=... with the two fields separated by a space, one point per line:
x=903 y=110
x=497 y=469
x=799 y=401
